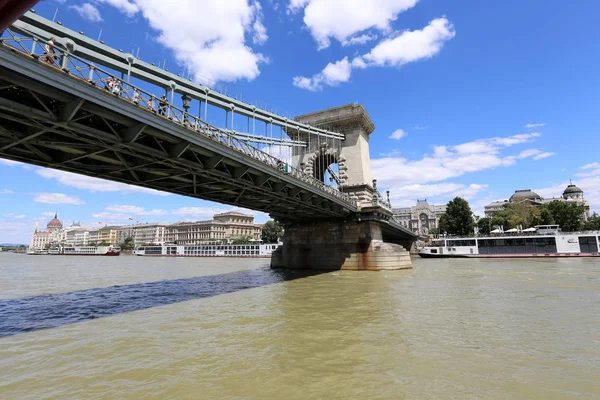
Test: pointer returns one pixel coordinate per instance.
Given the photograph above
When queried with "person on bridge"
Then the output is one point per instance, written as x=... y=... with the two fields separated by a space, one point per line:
x=50 y=57
x=151 y=104
x=110 y=83
x=162 y=105
x=136 y=97
x=116 y=87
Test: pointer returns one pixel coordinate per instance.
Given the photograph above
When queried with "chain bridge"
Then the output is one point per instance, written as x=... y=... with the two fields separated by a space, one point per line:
x=74 y=104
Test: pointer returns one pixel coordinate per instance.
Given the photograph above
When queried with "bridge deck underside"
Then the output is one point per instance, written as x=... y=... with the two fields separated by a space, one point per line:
x=54 y=120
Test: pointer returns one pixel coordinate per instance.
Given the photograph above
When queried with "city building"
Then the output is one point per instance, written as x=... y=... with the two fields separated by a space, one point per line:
x=109 y=234
x=199 y=232
x=223 y=228
x=571 y=194
x=238 y=225
x=79 y=236
x=93 y=238
x=420 y=218
x=51 y=236
x=143 y=233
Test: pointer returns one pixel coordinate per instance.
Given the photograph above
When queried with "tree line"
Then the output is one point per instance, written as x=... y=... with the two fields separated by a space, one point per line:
x=459 y=219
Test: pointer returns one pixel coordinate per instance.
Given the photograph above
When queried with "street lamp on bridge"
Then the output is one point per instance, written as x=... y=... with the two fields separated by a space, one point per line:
x=187 y=102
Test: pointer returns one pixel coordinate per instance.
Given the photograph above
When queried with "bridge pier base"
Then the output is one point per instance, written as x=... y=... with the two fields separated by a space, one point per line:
x=335 y=245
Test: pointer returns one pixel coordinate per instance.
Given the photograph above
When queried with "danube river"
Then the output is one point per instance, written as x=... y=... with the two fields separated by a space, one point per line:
x=152 y=328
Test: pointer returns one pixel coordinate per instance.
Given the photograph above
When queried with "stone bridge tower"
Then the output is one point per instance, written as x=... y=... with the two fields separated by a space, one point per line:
x=364 y=241
x=351 y=154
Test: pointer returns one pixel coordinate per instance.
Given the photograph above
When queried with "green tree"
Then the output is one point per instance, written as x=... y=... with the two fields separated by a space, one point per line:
x=443 y=224
x=272 y=232
x=500 y=218
x=242 y=240
x=127 y=244
x=592 y=224
x=568 y=216
x=483 y=225
x=459 y=217
x=103 y=243
x=546 y=217
x=435 y=232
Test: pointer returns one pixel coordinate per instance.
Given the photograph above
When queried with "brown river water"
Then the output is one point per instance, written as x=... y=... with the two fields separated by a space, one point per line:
x=154 y=328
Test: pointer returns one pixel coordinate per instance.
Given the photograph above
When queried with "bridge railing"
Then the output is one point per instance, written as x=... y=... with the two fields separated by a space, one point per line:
x=57 y=55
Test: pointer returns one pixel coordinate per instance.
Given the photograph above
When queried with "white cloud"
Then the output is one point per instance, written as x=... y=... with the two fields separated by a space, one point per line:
x=10 y=163
x=592 y=169
x=88 y=11
x=112 y=217
x=543 y=155
x=93 y=184
x=359 y=40
x=591 y=165
x=342 y=19
x=197 y=212
x=398 y=134
x=259 y=35
x=435 y=193
x=15 y=232
x=49 y=214
x=529 y=153
x=135 y=210
x=332 y=75
x=57 y=198
x=127 y=7
x=447 y=161
x=209 y=37
x=19 y=216
x=531 y=126
x=412 y=46
x=409 y=46
x=6 y=191
x=590 y=184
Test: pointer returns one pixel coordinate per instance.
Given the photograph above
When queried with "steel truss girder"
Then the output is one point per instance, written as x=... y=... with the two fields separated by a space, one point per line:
x=77 y=137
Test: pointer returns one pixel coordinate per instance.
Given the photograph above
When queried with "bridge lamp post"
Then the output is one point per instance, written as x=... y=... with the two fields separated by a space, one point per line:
x=187 y=102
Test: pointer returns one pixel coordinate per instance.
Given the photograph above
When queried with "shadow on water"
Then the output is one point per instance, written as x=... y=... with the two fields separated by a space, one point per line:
x=29 y=314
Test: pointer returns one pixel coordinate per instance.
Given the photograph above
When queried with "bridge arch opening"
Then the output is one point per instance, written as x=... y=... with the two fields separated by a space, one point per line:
x=325 y=165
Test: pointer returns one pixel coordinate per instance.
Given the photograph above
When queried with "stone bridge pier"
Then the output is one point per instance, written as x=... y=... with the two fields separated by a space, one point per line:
x=369 y=240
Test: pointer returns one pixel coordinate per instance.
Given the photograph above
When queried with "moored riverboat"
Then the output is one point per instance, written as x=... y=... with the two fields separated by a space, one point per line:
x=222 y=250
x=543 y=241
x=89 y=251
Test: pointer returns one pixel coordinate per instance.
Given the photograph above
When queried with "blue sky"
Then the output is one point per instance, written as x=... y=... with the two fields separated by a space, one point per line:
x=469 y=98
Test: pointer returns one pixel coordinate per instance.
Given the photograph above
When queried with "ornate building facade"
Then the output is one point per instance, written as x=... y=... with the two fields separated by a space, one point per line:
x=420 y=218
x=51 y=236
x=222 y=228
x=572 y=194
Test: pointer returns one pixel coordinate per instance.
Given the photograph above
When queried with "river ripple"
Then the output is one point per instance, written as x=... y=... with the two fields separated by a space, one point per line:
x=139 y=328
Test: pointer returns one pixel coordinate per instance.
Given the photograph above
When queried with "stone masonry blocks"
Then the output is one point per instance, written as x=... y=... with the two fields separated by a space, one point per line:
x=345 y=245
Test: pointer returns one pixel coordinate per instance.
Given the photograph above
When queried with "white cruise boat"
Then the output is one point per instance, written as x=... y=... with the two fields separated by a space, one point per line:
x=89 y=251
x=221 y=250
x=541 y=241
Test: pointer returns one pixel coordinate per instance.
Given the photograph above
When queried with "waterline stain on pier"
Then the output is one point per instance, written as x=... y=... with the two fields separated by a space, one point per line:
x=33 y=313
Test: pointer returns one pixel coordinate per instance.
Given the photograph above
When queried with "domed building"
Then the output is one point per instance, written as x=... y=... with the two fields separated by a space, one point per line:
x=572 y=194
x=51 y=236
x=54 y=224
x=525 y=195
